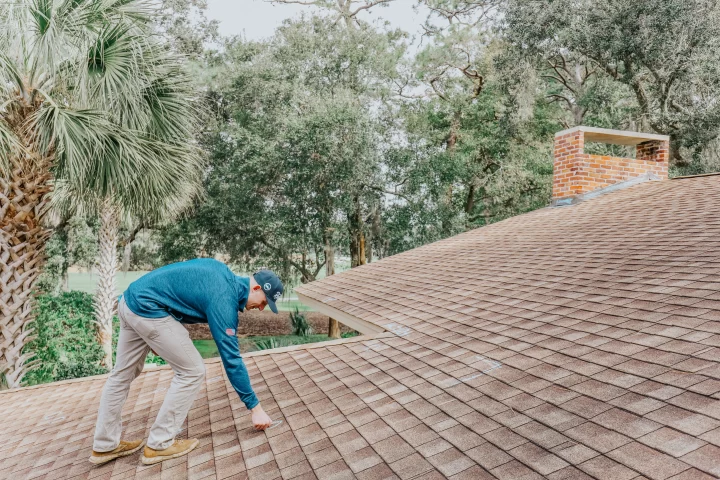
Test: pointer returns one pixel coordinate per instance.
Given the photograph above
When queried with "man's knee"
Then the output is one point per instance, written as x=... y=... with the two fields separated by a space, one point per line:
x=194 y=374
x=124 y=374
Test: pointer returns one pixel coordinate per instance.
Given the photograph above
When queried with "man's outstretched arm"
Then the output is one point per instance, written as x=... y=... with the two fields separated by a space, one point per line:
x=222 y=319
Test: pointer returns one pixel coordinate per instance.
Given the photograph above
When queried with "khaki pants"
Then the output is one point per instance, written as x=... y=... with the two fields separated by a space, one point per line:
x=171 y=341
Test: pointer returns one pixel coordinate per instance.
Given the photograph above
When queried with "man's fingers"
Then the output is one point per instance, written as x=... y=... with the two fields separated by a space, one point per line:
x=263 y=426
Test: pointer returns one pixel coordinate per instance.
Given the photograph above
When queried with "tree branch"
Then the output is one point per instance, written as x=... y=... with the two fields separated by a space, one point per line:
x=368 y=6
x=382 y=190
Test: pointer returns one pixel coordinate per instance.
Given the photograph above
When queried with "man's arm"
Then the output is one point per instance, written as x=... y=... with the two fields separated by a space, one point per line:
x=222 y=319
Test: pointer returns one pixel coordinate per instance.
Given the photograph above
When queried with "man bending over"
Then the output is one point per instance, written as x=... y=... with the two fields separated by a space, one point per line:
x=150 y=311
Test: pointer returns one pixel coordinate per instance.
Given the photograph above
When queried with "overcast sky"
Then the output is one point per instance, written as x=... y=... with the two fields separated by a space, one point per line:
x=258 y=19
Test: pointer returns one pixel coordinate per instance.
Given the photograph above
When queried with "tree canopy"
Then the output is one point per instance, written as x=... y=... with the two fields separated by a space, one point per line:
x=333 y=132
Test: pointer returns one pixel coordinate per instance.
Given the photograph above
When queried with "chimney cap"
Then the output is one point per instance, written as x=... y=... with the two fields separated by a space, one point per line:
x=615 y=137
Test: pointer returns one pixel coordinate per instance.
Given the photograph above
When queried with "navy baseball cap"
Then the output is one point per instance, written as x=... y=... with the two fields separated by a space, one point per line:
x=271 y=285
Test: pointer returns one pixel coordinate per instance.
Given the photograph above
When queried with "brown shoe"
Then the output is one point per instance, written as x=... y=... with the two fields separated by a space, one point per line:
x=177 y=449
x=125 y=448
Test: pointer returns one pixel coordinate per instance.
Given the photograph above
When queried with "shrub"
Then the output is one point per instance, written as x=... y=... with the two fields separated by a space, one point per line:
x=65 y=345
x=273 y=342
x=299 y=324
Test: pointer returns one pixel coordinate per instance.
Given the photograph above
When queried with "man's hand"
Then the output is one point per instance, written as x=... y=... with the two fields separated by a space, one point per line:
x=260 y=419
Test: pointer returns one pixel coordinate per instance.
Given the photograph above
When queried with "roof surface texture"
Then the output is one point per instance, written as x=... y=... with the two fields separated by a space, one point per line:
x=569 y=343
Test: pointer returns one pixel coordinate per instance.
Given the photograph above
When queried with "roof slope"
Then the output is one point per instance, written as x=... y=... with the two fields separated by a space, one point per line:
x=573 y=342
x=604 y=315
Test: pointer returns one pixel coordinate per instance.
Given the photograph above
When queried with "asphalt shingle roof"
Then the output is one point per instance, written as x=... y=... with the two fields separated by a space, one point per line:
x=569 y=343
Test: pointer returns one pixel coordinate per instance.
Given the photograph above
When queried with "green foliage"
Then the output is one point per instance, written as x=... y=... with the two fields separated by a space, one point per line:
x=56 y=264
x=65 y=345
x=275 y=342
x=299 y=323
x=295 y=148
x=327 y=131
x=154 y=359
x=74 y=242
x=663 y=52
x=185 y=24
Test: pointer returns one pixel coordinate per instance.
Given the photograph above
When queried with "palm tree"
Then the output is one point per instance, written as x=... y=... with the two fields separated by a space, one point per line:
x=87 y=95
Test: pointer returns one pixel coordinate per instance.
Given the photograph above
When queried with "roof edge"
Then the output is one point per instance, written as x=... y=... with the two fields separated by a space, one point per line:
x=308 y=346
x=614 y=133
x=151 y=367
x=60 y=382
x=713 y=174
x=362 y=326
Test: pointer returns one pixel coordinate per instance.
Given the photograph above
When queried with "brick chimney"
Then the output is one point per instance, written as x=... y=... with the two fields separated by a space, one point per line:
x=577 y=173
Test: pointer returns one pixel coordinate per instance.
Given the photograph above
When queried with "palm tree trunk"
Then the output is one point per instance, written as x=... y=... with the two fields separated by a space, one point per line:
x=23 y=201
x=105 y=295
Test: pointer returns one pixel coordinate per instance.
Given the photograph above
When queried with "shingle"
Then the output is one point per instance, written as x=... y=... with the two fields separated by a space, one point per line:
x=515 y=470
x=585 y=406
x=322 y=457
x=575 y=453
x=538 y=458
x=671 y=442
x=335 y=471
x=597 y=437
x=393 y=449
x=638 y=404
x=683 y=420
x=603 y=468
x=706 y=459
x=693 y=474
x=378 y=472
x=411 y=466
x=362 y=459
x=648 y=461
x=504 y=438
x=475 y=472
x=450 y=462
x=569 y=473
x=627 y=423
x=349 y=442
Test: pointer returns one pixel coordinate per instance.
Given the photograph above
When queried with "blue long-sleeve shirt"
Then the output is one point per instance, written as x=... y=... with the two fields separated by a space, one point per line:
x=199 y=291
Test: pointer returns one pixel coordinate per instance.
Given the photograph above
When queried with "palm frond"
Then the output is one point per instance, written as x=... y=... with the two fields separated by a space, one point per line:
x=9 y=70
x=99 y=156
x=168 y=98
x=166 y=182
x=65 y=201
x=44 y=32
x=113 y=65
x=74 y=137
x=41 y=13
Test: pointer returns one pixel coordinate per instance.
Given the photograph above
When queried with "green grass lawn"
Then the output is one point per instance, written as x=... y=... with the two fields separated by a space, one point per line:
x=207 y=348
x=86 y=281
